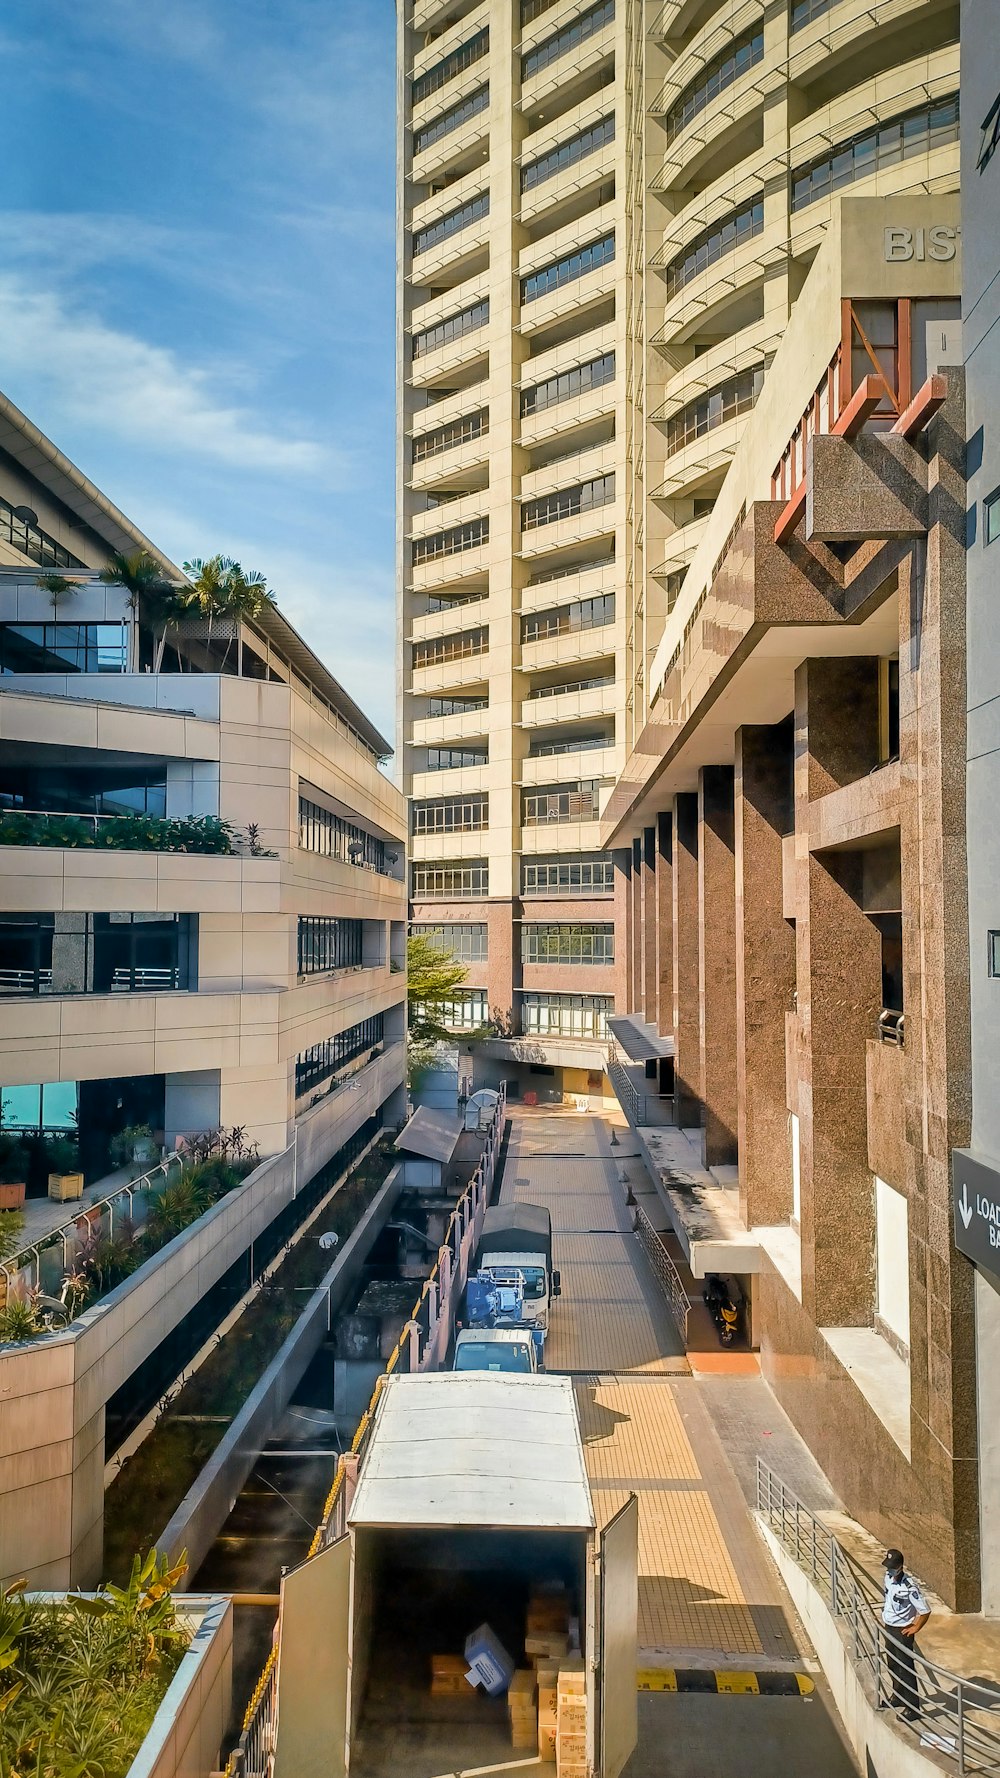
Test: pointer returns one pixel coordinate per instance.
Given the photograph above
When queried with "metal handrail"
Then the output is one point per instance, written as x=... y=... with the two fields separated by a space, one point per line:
x=963 y=1715
x=666 y=1272
x=891 y=1027
x=253 y=1755
x=632 y=1102
x=73 y=1233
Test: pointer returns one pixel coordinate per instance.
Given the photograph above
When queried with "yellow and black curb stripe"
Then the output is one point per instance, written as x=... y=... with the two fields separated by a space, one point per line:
x=724 y=1682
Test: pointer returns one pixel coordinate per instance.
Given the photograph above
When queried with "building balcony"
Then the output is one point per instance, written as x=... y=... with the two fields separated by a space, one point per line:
x=452 y=260
x=442 y=45
x=581 y=527
x=463 y=465
x=428 y=846
x=592 y=460
x=569 y=768
x=451 y=513
x=566 y=416
x=838 y=32
x=568 y=585
x=708 y=455
x=51 y=879
x=709 y=292
x=450 y=781
x=561 y=836
x=463 y=725
x=468 y=143
x=574 y=68
x=447 y=676
x=565 y=650
x=751 y=346
x=452 y=570
x=569 y=706
x=735 y=105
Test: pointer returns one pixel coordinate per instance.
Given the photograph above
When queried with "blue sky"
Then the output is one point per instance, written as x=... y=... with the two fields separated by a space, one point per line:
x=197 y=285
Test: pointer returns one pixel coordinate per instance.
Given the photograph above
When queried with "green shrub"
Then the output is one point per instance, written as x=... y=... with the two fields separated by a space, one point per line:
x=119 y=833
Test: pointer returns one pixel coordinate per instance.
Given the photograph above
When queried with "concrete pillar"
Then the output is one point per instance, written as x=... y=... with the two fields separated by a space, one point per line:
x=717 y=963
x=663 y=1017
x=649 y=926
x=638 y=935
x=765 y=970
x=839 y=973
x=687 y=1042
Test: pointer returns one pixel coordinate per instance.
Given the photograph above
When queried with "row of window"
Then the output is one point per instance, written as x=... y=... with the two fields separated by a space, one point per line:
x=444 y=759
x=567 y=942
x=27 y=537
x=63 y=648
x=438 y=649
x=451 y=542
x=453 y=327
x=459 y=879
x=568 y=269
x=533 y=9
x=76 y=953
x=451 y=814
x=85 y=790
x=567 y=570
x=330 y=1060
x=468 y=1011
x=592 y=375
x=452 y=224
x=733 y=397
x=555 y=691
x=471 y=106
x=577 y=148
x=566 y=1015
x=567 y=503
x=469 y=944
x=710 y=246
x=465 y=56
x=884 y=145
x=449 y=601
x=562 y=802
x=583 y=614
x=333 y=837
x=325 y=944
x=445 y=438
x=576 y=744
x=570 y=37
x=713 y=80
x=455 y=706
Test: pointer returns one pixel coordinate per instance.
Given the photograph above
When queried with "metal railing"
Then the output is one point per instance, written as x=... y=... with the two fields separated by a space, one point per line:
x=891 y=1027
x=959 y=1717
x=419 y=1347
x=632 y=1102
x=666 y=1272
x=43 y=1264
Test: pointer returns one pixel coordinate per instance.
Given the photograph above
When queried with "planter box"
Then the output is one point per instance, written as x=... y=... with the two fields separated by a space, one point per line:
x=64 y=1186
x=11 y=1197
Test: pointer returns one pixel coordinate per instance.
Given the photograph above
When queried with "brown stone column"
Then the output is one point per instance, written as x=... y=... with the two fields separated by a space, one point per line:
x=638 y=936
x=687 y=1040
x=663 y=1017
x=839 y=973
x=765 y=970
x=649 y=926
x=717 y=962
x=624 y=933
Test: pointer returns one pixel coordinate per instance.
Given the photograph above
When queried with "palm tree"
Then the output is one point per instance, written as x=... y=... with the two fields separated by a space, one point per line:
x=222 y=588
x=57 y=586
x=154 y=599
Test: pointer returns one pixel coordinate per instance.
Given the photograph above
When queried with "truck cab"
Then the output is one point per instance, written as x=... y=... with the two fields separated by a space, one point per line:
x=508 y=1349
x=513 y=1283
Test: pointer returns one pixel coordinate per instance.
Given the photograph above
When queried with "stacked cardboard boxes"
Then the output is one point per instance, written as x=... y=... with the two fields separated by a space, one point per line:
x=548 y=1704
x=571 y=1720
x=448 y=1676
x=522 y=1710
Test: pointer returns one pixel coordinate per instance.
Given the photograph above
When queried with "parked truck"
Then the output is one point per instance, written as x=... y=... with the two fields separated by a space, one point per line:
x=508 y=1349
x=472 y=1495
x=512 y=1283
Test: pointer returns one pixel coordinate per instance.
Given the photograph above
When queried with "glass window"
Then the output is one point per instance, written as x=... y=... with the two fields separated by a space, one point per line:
x=565 y=271
x=468 y=1011
x=450 y=543
x=713 y=80
x=567 y=942
x=451 y=880
x=443 y=759
x=98 y=790
x=564 y=802
x=913 y=132
x=804 y=11
x=453 y=327
x=710 y=246
x=452 y=224
x=446 y=438
x=322 y=831
x=329 y=943
x=76 y=953
x=577 y=148
x=539 y=748
x=451 y=814
x=727 y=402
x=465 y=56
x=566 y=1015
x=592 y=375
x=450 y=648
x=339 y=1056
x=63 y=648
x=455 y=706
x=991 y=517
x=468 y=943
x=585 y=874
x=583 y=614
x=472 y=106
x=34 y=543
x=567 y=503
x=587 y=25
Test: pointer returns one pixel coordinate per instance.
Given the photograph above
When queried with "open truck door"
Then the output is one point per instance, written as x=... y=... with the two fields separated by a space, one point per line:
x=313 y=1666
x=618 y=1645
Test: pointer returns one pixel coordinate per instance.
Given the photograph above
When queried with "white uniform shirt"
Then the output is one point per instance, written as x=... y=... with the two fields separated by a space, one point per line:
x=903 y=1601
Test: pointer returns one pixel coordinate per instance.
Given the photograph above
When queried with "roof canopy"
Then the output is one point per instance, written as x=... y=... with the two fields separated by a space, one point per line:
x=430 y=1133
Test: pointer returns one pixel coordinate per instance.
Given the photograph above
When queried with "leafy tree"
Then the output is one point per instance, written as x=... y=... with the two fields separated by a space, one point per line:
x=433 y=977
x=155 y=599
x=222 y=588
x=57 y=586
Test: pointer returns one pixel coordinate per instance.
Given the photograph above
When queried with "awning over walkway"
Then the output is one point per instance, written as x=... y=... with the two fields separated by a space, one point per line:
x=431 y=1134
x=641 y=1042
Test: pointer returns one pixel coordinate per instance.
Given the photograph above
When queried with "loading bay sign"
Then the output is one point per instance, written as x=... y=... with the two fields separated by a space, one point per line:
x=975 y=1196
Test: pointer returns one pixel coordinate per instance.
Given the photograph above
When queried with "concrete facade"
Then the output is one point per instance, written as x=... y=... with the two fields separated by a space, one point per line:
x=981 y=338
x=807 y=743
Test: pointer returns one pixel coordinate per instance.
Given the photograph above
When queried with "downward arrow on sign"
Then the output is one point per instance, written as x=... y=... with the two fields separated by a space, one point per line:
x=965 y=1207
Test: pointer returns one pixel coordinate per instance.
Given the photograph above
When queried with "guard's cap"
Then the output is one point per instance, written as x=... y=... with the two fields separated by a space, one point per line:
x=892 y=1560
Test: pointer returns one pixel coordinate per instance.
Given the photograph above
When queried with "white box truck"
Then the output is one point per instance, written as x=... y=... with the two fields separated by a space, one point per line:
x=472 y=1495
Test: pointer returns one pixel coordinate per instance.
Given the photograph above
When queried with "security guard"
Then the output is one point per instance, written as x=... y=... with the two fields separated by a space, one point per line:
x=904 y=1612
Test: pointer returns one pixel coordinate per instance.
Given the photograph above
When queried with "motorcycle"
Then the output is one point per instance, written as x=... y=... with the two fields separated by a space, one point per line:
x=721 y=1307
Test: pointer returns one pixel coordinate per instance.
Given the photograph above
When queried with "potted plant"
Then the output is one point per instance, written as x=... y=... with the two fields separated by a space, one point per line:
x=13 y=1171
x=65 y=1182
x=134 y=1143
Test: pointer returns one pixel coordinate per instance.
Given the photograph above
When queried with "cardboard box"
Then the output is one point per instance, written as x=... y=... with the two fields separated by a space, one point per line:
x=547 y=1740
x=572 y=1719
x=553 y=1644
x=571 y=1748
x=447 y=1676
x=548 y=1690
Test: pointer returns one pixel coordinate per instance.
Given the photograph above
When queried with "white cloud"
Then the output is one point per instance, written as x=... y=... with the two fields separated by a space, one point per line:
x=77 y=368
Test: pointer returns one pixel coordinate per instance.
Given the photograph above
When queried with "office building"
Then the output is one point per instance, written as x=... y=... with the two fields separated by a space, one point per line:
x=606 y=215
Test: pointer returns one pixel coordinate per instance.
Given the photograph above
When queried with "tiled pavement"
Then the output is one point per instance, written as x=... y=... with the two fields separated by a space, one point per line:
x=707 y=1592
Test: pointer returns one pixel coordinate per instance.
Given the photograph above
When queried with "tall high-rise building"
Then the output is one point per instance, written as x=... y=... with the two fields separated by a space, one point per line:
x=606 y=213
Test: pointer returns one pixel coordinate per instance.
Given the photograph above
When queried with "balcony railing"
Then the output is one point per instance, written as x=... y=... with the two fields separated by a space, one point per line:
x=890 y=1027
x=963 y=1716
x=667 y=1275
